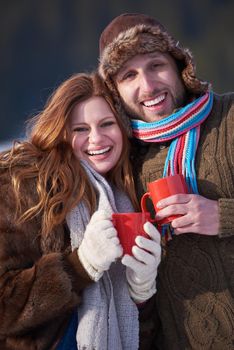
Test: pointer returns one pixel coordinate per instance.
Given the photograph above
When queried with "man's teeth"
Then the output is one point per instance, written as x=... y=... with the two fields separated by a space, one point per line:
x=97 y=152
x=155 y=101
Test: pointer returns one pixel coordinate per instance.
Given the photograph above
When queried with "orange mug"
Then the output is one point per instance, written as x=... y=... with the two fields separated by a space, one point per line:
x=163 y=188
x=129 y=226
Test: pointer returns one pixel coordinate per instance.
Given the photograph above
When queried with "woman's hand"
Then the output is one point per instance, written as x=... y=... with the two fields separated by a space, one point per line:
x=100 y=246
x=142 y=267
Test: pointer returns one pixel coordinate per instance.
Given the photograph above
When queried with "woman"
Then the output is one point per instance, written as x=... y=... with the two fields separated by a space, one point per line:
x=50 y=249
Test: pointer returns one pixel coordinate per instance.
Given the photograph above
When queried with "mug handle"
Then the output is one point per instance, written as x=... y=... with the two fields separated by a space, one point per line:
x=143 y=204
x=143 y=201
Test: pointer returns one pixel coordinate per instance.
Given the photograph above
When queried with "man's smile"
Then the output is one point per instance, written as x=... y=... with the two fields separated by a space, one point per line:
x=155 y=101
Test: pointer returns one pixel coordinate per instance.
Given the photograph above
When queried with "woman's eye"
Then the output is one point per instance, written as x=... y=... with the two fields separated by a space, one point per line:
x=80 y=129
x=108 y=123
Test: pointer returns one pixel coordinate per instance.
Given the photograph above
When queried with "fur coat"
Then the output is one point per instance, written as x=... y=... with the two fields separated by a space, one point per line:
x=40 y=279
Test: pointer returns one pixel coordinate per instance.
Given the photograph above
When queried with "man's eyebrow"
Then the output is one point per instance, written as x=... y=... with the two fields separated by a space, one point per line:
x=154 y=54
x=123 y=69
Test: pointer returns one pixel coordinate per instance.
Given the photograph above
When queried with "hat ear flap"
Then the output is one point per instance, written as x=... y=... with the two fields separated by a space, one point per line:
x=192 y=83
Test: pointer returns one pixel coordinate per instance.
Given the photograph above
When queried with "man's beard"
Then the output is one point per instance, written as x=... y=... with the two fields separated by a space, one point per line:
x=179 y=101
x=130 y=113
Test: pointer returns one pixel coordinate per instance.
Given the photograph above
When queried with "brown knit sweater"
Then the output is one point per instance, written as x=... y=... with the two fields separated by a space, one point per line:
x=194 y=304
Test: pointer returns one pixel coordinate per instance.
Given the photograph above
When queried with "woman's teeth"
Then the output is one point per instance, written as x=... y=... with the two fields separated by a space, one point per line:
x=155 y=101
x=97 y=152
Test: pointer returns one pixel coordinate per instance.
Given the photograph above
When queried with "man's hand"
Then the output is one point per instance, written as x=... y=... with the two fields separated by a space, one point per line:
x=200 y=215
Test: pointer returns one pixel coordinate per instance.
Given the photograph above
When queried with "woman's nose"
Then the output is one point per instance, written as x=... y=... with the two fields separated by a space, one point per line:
x=95 y=136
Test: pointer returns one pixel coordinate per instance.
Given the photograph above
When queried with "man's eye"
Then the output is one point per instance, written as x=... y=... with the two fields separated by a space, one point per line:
x=128 y=75
x=156 y=65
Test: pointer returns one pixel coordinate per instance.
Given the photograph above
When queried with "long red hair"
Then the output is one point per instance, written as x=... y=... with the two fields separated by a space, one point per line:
x=47 y=157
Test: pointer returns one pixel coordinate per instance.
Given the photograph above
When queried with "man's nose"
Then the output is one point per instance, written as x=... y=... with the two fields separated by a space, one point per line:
x=147 y=84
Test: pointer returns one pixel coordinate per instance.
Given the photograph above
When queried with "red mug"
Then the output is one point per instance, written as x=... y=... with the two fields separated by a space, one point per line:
x=163 y=188
x=129 y=226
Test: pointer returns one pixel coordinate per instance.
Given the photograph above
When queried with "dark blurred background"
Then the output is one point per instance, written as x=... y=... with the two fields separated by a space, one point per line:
x=43 y=42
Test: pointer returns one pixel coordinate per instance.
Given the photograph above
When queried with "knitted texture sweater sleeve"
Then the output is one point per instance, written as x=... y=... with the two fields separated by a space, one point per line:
x=216 y=160
x=226 y=205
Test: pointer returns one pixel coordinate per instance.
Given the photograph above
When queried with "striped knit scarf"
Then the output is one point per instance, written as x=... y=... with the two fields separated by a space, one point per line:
x=183 y=128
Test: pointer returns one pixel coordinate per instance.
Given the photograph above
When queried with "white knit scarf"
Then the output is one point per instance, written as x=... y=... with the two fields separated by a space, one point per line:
x=107 y=317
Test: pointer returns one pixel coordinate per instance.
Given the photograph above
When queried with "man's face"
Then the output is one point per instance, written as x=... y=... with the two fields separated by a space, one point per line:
x=150 y=86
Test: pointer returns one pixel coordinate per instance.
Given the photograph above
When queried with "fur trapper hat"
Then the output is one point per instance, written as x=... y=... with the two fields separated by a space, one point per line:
x=131 y=34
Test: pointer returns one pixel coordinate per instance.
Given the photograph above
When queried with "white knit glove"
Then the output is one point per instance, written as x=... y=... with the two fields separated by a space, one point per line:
x=100 y=245
x=142 y=267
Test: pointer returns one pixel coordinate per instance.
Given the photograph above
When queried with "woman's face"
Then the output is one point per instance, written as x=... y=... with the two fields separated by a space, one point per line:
x=95 y=135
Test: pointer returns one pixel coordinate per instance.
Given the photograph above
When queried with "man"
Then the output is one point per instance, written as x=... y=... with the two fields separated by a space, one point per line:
x=179 y=126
